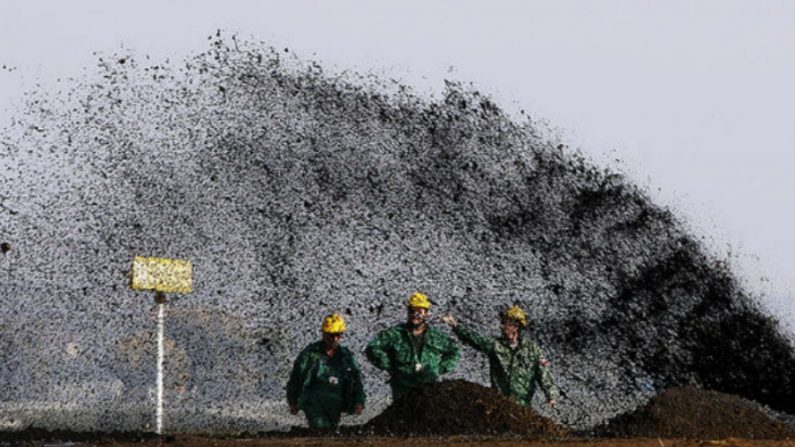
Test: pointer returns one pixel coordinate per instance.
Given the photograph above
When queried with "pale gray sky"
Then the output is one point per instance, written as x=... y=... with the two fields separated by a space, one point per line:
x=697 y=98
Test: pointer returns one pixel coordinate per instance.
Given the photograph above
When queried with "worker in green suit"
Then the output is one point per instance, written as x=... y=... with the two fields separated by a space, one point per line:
x=516 y=365
x=413 y=353
x=325 y=380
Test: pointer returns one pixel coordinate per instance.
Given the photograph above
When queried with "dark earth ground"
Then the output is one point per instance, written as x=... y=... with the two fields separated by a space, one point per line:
x=200 y=441
x=459 y=441
x=463 y=413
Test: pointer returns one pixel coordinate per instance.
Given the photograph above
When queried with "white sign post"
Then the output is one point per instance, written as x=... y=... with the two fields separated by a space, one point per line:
x=161 y=310
x=161 y=275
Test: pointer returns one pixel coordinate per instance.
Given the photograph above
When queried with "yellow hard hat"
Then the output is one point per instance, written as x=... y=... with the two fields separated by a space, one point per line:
x=516 y=313
x=333 y=324
x=417 y=299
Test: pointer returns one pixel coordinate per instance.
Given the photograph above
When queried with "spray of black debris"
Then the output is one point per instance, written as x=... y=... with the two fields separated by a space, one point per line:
x=296 y=192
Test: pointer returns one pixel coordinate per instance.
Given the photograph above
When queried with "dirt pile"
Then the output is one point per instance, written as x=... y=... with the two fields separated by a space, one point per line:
x=690 y=412
x=461 y=408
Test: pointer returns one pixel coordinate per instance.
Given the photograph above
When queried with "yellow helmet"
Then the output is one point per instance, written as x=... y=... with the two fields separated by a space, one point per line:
x=417 y=299
x=516 y=313
x=333 y=324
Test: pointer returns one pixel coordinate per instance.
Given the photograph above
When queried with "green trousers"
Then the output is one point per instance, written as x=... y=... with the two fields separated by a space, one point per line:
x=323 y=410
x=322 y=418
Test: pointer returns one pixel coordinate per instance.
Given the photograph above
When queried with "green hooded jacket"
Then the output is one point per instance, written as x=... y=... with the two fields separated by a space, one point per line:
x=318 y=381
x=515 y=372
x=392 y=351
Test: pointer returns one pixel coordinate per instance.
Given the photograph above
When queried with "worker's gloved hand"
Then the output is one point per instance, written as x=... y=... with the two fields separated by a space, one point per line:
x=552 y=403
x=357 y=409
x=293 y=409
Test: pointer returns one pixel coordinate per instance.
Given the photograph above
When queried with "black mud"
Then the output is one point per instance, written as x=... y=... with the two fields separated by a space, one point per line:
x=461 y=408
x=693 y=413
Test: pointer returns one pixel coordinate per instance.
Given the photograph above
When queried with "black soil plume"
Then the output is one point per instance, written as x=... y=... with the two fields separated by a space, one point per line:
x=296 y=192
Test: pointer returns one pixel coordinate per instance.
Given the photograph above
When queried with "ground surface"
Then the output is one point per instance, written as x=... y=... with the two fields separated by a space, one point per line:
x=457 y=441
x=467 y=414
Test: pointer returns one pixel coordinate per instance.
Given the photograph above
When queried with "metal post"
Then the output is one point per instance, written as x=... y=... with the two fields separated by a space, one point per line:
x=161 y=275
x=160 y=299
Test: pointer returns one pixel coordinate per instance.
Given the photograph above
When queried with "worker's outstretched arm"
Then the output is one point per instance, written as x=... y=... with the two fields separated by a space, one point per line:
x=471 y=338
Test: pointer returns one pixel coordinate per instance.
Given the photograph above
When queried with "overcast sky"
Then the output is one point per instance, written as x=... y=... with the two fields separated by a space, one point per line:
x=695 y=98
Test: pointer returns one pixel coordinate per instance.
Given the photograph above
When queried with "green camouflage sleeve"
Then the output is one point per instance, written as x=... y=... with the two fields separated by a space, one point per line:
x=297 y=377
x=376 y=351
x=476 y=341
x=544 y=375
x=449 y=356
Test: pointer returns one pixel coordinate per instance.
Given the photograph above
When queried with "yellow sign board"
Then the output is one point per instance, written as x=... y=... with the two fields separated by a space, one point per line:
x=162 y=275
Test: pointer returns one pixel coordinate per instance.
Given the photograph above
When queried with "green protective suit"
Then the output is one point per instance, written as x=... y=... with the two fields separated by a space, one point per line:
x=392 y=350
x=514 y=371
x=323 y=387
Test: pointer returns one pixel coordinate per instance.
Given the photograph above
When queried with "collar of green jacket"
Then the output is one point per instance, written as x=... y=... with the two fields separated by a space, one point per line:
x=521 y=343
x=430 y=332
x=318 y=348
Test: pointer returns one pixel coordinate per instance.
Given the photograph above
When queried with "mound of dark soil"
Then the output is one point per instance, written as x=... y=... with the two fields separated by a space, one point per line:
x=690 y=412
x=461 y=408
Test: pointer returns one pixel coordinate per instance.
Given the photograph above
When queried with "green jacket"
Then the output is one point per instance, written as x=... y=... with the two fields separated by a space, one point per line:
x=317 y=379
x=392 y=351
x=515 y=372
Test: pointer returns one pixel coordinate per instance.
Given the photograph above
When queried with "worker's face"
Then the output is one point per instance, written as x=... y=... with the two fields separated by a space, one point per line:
x=417 y=316
x=510 y=328
x=331 y=341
